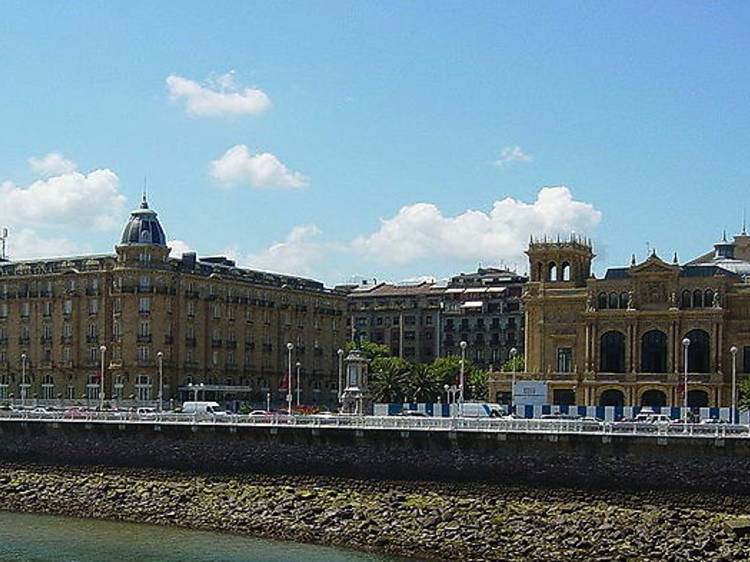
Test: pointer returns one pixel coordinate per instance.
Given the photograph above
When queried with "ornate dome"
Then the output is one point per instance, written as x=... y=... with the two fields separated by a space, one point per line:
x=143 y=227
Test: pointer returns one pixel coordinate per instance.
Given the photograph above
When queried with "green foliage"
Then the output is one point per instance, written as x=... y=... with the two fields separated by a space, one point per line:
x=422 y=384
x=743 y=403
x=517 y=364
x=477 y=384
x=369 y=349
x=388 y=379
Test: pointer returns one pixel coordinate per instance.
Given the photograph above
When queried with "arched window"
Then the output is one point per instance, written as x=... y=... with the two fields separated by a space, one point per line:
x=612 y=397
x=565 y=271
x=654 y=352
x=601 y=303
x=697 y=298
x=551 y=271
x=708 y=298
x=654 y=399
x=612 y=352
x=697 y=399
x=614 y=301
x=687 y=299
x=699 y=351
x=624 y=300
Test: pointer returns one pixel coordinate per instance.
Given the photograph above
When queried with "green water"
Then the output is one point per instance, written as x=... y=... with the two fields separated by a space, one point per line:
x=46 y=538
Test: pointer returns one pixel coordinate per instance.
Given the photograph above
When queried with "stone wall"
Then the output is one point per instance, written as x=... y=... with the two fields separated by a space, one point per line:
x=576 y=460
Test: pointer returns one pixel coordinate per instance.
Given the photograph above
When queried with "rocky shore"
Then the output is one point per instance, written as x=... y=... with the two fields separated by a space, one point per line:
x=411 y=519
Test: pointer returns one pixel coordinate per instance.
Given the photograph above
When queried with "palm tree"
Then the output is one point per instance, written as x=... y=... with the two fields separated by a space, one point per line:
x=388 y=378
x=423 y=384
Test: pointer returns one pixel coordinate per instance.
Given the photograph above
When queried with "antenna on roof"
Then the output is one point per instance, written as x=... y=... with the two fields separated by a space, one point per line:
x=3 y=238
x=144 y=200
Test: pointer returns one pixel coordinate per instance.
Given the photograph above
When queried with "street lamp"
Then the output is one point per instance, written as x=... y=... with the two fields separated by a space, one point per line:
x=102 y=351
x=513 y=353
x=463 y=345
x=23 y=379
x=450 y=394
x=160 y=359
x=341 y=375
x=268 y=401
x=733 y=351
x=298 y=365
x=685 y=345
x=195 y=388
x=289 y=348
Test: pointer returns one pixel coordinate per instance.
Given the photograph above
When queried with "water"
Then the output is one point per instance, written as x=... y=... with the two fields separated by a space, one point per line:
x=46 y=538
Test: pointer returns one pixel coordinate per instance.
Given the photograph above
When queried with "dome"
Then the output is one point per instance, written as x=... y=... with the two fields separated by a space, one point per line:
x=143 y=227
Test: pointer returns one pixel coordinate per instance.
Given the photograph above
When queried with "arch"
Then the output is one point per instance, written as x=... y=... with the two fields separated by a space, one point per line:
x=708 y=297
x=612 y=352
x=687 y=299
x=601 y=301
x=551 y=271
x=697 y=298
x=614 y=300
x=699 y=351
x=624 y=298
x=654 y=352
x=564 y=271
x=654 y=398
x=612 y=397
x=697 y=398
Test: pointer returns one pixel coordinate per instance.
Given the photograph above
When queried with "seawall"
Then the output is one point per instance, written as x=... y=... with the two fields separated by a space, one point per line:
x=573 y=460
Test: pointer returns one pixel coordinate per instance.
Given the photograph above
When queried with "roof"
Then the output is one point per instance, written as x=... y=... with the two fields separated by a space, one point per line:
x=143 y=227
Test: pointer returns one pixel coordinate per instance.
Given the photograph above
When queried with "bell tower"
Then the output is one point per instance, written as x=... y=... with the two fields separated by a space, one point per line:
x=560 y=261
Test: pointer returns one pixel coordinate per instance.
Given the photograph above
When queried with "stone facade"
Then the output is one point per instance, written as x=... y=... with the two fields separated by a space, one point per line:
x=213 y=322
x=619 y=340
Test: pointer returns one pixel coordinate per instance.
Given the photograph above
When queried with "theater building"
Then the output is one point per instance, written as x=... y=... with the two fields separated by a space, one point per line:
x=619 y=340
x=204 y=321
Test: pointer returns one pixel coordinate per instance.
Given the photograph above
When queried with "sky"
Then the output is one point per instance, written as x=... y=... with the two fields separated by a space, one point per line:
x=388 y=140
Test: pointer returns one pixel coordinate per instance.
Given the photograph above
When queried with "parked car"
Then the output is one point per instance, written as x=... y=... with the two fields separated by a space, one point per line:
x=259 y=414
x=413 y=414
x=651 y=417
x=145 y=413
x=482 y=410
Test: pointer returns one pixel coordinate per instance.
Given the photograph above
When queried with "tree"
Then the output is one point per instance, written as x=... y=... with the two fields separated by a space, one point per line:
x=744 y=391
x=388 y=379
x=477 y=384
x=517 y=364
x=422 y=383
x=447 y=369
x=369 y=349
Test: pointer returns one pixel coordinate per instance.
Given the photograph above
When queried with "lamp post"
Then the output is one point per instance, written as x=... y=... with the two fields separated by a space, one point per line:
x=513 y=353
x=23 y=379
x=733 y=351
x=160 y=360
x=289 y=348
x=450 y=393
x=102 y=351
x=268 y=401
x=463 y=345
x=685 y=346
x=340 y=353
x=195 y=388
x=298 y=365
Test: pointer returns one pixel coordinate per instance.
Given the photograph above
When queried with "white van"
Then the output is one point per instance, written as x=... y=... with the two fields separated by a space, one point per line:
x=482 y=410
x=205 y=410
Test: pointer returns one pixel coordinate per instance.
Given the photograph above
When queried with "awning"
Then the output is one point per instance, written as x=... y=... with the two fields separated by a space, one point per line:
x=472 y=304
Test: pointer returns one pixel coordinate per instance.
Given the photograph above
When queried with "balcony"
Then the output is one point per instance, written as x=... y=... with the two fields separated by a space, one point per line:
x=66 y=339
x=24 y=340
x=216 y=343
x=144 y=338
x=231 y=344
x=92 y=339
x=190 y=342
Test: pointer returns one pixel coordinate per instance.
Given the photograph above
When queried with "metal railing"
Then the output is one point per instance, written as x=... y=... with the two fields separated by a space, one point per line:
x=398 y=423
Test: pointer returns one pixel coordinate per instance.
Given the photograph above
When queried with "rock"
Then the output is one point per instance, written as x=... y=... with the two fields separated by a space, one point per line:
x=739 y=526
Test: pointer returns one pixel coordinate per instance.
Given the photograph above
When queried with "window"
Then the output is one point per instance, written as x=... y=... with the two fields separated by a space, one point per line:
x=93 y=354
x=93 y=387
x=144 y=329
x=215 y=358
x=25 y=310
x=144 y=305
x=47 y=309
x=143 y=354
x=67 y=307
x=564 y=359
x=217 y=311
x=93 y=306
x=3 y=310
x=143 y=388
x=191 y=308
x=144 y=283
x=48 y=387
x=67 y=331
x=144 y=256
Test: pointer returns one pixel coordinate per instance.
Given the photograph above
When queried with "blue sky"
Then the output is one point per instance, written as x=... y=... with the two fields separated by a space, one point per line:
x=383 y=124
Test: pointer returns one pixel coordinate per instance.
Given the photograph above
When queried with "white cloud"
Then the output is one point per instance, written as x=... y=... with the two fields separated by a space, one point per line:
x=52 y=164
x=178 y=247
x=217 y=97
x=421 y=231
x=69 y=199
x=238 y=166
x=511 y=154
x=298 y=254
x=28 y=244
